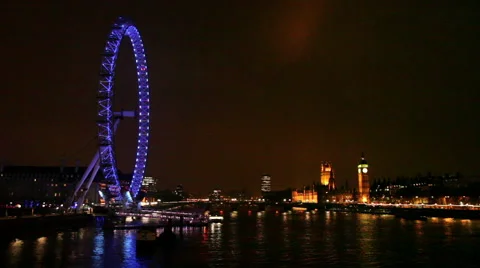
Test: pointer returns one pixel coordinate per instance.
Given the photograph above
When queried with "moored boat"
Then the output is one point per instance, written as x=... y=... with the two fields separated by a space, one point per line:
x=215 y=218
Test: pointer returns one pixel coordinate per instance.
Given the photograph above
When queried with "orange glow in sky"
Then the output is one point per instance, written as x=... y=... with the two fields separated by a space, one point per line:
x=295 y=26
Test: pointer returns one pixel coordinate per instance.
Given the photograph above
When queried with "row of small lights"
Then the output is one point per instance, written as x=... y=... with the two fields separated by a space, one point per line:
x=426 y=205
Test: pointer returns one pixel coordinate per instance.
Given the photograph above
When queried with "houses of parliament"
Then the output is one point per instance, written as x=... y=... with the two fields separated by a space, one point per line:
x=326 y=189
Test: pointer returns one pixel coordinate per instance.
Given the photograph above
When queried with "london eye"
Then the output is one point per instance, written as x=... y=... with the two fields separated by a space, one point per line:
x=108 y=120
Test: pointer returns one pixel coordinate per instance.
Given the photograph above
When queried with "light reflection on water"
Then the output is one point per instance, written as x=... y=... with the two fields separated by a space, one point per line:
x=15 y=251
x=328 y=239
x=40 y=249
x=215 y=245
x=98 y=250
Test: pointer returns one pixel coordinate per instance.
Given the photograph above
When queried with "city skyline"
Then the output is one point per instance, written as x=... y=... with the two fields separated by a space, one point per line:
x=290 y=87
x=152 y=184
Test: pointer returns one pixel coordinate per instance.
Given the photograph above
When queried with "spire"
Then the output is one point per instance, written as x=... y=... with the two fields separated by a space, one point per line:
x=331 y=182
x=362 y=159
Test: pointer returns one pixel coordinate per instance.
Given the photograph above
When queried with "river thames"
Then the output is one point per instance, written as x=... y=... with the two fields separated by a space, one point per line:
x=323 y=239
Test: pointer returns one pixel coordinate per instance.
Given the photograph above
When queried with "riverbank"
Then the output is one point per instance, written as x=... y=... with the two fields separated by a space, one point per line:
x=14 y=227
x=393 y=210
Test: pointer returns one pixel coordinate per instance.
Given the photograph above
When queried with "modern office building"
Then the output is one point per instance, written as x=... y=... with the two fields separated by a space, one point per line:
x=266 y=184
x=149 y=184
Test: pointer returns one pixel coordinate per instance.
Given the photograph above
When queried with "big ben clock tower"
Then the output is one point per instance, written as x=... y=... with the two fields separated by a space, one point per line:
x=363 y=182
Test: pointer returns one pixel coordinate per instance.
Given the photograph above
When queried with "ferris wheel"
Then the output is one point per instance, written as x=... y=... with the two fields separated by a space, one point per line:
x=108 y=120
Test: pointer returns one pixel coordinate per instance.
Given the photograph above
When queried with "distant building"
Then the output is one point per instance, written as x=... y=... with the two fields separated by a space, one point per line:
x=238 y=195
x=363 y=181
x=279 y=196
x=167 y=195
x=149 y=184
x=335 y=194
x=441 y=189
x=179 y=191
x=340 y=196
x=266 y=184
x=326 y=170
x=38 y=185
x=125 y=179
x=216 y=195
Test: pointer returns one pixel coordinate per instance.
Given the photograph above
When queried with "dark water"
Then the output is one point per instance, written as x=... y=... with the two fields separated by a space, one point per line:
x=267 y=240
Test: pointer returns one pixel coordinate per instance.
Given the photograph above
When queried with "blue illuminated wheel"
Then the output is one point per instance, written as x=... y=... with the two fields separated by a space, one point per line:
x=107 y=119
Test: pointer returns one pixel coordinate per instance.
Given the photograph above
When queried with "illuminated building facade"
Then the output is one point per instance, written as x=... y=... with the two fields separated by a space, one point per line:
x=363 y=181
x=325 y=171
x=32 y=186
x=266 y=184
x=149 y=184
x=340 y=196
x=307 y=195
x=443 y=189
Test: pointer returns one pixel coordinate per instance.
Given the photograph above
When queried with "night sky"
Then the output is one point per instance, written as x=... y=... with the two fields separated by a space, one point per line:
x=239 y=88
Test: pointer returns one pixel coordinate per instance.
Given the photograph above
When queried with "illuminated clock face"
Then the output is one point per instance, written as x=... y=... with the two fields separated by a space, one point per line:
x=364 y=170
x=359 y=171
